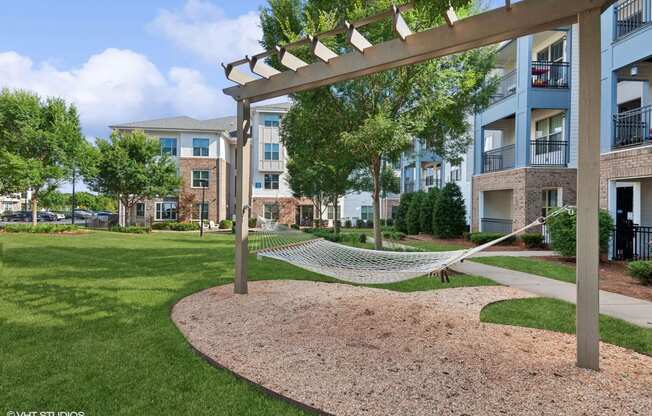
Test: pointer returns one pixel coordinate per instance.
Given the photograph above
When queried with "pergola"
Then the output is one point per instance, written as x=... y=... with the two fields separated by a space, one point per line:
x=508 y=22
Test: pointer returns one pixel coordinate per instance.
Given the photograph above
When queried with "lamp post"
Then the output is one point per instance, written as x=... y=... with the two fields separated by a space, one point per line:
x=204 y=184
x=72 y=200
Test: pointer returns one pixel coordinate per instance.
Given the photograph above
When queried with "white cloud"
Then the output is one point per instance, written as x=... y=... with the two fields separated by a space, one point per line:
x=203 y=29
x=117 y=85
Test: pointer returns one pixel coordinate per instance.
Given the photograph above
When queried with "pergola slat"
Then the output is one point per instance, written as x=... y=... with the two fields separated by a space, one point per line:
x=450 y=16
x=237 y=76
x=400 y=25
x=320 y=50
x=258 y=66
x=356 y=39
x=290 y=61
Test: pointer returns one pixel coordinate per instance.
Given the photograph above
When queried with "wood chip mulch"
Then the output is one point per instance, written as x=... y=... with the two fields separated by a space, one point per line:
x=357 y=351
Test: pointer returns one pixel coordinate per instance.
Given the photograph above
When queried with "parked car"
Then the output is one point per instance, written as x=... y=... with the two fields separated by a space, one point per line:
x=47 y=216
x=83 y=214
x=60 y=216
x=20 y=216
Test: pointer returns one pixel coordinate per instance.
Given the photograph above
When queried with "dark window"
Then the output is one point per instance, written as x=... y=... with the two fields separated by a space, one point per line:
x=366 y=212
x=140 y=209
x=168 y=146
x=200 y=147
x=166 y=210
x=271 y=181
x=196 y=213
x=200 y=179
x=271 y=123
x=271 y=212
x=272 y=151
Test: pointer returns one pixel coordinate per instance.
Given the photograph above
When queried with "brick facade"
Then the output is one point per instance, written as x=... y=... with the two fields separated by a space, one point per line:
x=190 y=195
x=624 y=164
x=287 y=207
x=527 y=185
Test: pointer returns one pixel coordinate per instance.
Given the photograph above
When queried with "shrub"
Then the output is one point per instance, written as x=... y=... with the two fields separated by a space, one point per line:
x=641 y=270
x=412 y=220
x=184 y=226
x=562 y=229
x=389 y=222
x=295 y=227
x=348 y=224
x=426 y=210
x=369 y=223
x=226 y=224
x=40 y=228
x=362 y=238
x=132 y=229
x=393 y=235
x=161 y=225
x=533 y=240
x=449 y=214
x=400 y=222
x=483 y=238
x=359 y=224
x=253 y=222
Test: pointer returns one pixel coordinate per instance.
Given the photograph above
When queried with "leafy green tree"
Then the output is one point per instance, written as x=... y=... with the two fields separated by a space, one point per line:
x=400 y=222
x=563 y=230
x=55 y=201
x=414 y=211
x=449 y=214
x=130 y=168
x=40 y=141
x=378 y=113
x=426 y=210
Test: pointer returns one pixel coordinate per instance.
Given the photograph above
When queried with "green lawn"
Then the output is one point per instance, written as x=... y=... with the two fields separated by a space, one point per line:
x=85 y=323
x=432 y=246
x=544 y=268
x=557 y=315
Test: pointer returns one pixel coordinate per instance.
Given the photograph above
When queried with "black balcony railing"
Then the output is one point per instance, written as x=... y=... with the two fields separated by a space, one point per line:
x=499 y=159
x=549 y=151
x=408 y=186
x=632 y=128
x=496 y=225
x=431 y=181
x=506 y=87
x=632 y=242
x=629 y=15
x=550 y=74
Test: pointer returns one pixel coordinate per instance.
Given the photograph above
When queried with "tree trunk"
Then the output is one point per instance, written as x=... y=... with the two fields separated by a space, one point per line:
x=336 y=221
x=375 y=172
x=34 y=207
x=127 y=209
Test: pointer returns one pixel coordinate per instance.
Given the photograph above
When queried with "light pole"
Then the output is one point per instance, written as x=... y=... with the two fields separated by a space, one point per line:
x=204 y=184
x=72 y=200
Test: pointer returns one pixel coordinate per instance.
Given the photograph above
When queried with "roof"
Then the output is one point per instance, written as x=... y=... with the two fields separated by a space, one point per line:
x=284 y=107
x=222 y=124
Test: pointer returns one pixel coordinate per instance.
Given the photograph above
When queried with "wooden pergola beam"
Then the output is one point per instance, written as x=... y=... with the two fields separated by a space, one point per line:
x=523 y=18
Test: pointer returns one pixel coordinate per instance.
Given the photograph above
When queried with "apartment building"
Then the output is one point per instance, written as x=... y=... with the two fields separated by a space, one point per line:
x=626 y=129
x=524 y=156
x=15 y=202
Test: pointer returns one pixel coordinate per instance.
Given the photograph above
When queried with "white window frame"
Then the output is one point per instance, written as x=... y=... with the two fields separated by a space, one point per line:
x=208 y=178
x=367 y=212
x=195 y=215
x=144 y=209
x=272 y=152
x=272 y=181
x=161 y=207
x=201 y=148
x=175 y=149
x=273 y=209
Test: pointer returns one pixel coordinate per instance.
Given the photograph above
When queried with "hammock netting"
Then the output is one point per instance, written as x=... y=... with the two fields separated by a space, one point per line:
x=358 y=265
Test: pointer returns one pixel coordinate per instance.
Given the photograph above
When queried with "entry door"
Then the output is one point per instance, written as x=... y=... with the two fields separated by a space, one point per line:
x=306 y=215
x=625 y=223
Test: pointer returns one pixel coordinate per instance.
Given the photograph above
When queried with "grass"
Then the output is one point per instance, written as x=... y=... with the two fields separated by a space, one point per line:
x=432 y=246
x=557 y=315
x=552 y=270
x=86 y=326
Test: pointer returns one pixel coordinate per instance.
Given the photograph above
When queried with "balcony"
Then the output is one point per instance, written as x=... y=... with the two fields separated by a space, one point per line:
x=499 y=159
x=506 y=87
x=630 y=15
x=408 y=185
x=549 y=151
x=431 y=182
x=632 y=128
x=550 y=74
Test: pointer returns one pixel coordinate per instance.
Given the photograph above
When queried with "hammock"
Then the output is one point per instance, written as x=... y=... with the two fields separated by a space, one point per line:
x=358 y=265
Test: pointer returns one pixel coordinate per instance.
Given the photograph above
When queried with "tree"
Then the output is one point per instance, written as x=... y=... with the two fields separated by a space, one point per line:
x=130 y=168
x=378 y=113
x=426 y=210
x=414 y=211
x=55 y=201
x=449 y=214
x=400 y=222
x=40 y=141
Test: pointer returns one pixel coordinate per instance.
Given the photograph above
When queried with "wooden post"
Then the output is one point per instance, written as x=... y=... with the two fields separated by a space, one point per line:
x=588 y=191
x=243 y=172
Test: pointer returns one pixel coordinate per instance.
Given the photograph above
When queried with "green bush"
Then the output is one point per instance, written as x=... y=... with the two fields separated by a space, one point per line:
x=483 y=238
x=253 y=222
x=393 y=235
x=369 y=223
x=359 y=224
x=176 y=226
x=362 y=238
x=413 y=213
x=400 y=222
x=562 y=229
x=389 y=222
x=449 y=214
x=427 y=207
x=226 y=224
x=533 y=240
x=348 y=224
x=295 y=227
x=40 y=228
x=130 y=229
x=160 y=225
x=641 y=270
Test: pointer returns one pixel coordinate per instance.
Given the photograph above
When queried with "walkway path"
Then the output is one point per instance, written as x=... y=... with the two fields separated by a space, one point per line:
x=636 y=311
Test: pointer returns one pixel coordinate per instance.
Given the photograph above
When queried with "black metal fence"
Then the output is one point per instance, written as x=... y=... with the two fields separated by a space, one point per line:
x=548 y=152
x=496 y=225
x=506 y=87
x=499 y=159
x=629 y=15
x=550 y=74
x=632 y=242
x=632 y=128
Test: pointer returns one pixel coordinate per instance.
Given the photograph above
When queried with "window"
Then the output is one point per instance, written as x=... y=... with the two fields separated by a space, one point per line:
x=331 y=212
x=166 y=210
x=200 y=147
x=456 y=173
x=140 y=209
x=549 y=130
x=552 y=53
x=197 y=214
x=272 y=122
x=168 y=146
x=271 y=212
x=550 y=199
x=200 y=178
x=271 y=151
x=271 y=181
x=366 y=212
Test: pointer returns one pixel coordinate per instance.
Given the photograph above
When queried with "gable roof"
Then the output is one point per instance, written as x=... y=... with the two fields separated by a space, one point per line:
x=217 y=125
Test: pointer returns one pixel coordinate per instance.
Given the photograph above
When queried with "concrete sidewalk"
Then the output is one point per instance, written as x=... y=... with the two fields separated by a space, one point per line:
x=636 y=311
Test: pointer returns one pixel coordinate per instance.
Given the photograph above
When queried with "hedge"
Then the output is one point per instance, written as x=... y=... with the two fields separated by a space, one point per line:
x=414 y=211
x=426 y=211
x=131 y=229
x=641 y=270
x=40 y=228
x=484 y=237
x=449 y=214
x=253 y=222
x=226 y=224
x=562 y=229
x=400 y=222
x=176 y=226
x=533 y=240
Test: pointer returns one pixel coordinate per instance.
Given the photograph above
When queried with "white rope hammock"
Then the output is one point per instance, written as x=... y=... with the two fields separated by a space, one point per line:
x=358 y=265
